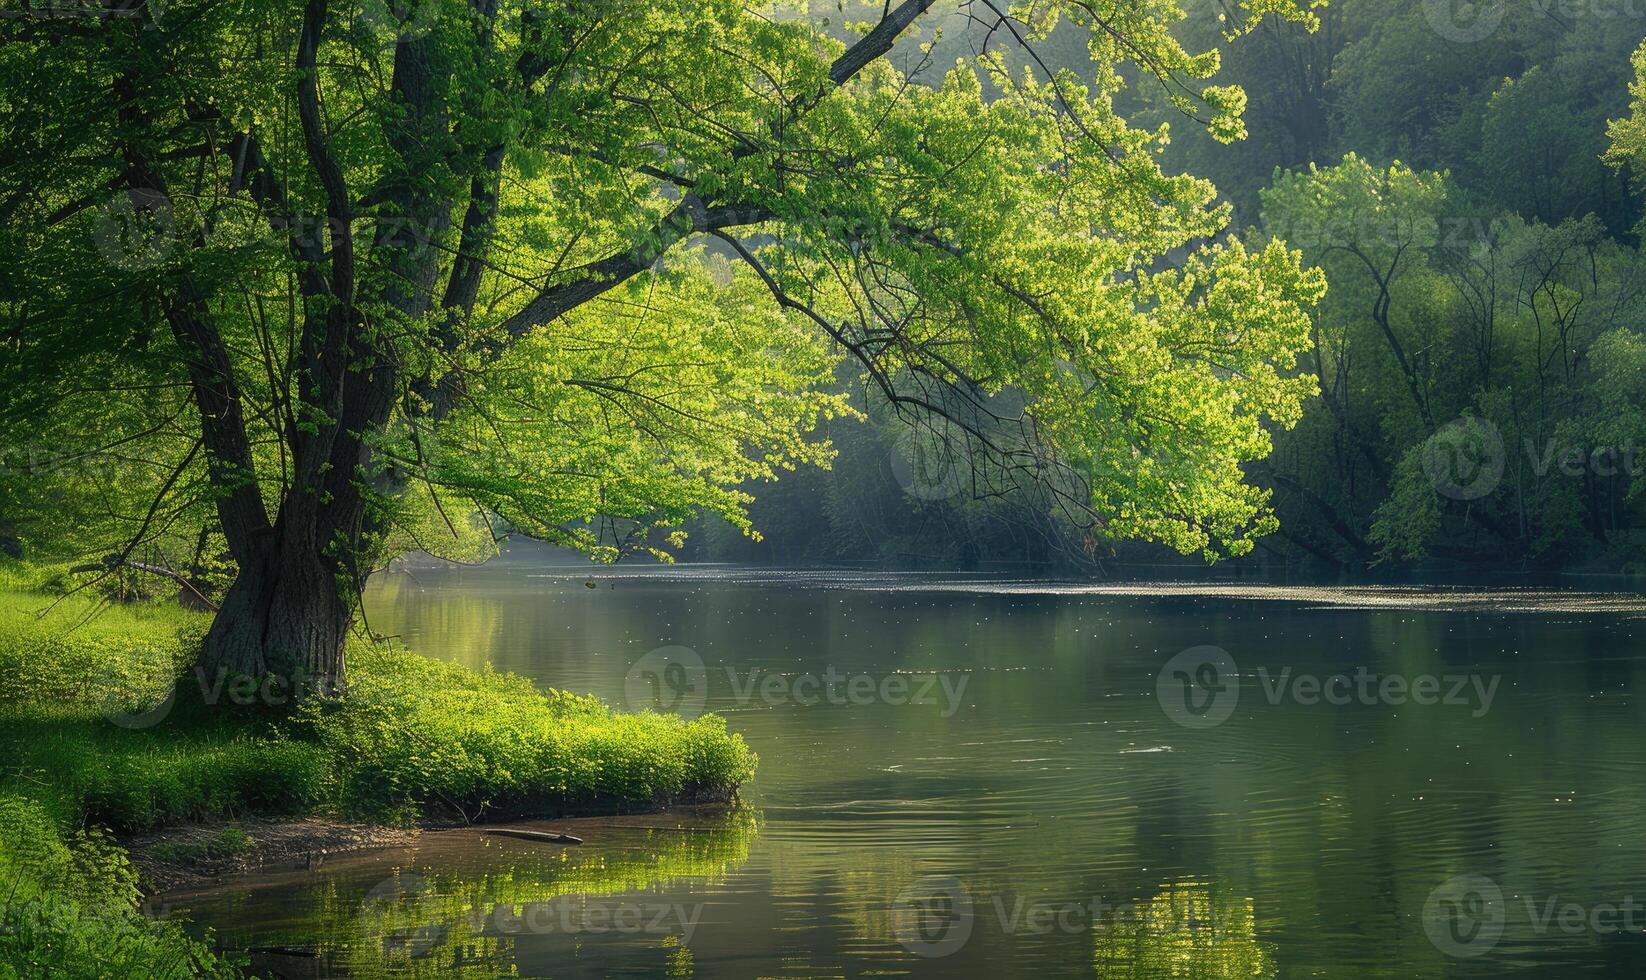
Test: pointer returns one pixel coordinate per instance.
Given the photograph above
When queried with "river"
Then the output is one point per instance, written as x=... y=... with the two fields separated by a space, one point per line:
x=977 y=777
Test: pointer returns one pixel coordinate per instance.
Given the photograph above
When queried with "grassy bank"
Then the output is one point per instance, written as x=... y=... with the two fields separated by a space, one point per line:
x=414 y=738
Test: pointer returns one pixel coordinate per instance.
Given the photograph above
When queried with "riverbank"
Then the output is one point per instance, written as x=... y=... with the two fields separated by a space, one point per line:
x=199 y=854
x=96 y=758
x=450 y=901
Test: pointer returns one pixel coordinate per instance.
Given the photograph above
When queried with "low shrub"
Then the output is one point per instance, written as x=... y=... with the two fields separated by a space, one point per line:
x=415 y=733
x=201 y=779
x=69 y=908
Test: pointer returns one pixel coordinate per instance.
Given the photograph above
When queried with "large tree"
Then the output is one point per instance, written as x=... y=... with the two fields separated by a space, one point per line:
x=334 y=279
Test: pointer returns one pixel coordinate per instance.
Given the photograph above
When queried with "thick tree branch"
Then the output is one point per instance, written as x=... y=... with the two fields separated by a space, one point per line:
x=693 y=215
x=877 y=42
x=690 y=217
x=211 y=372
x=315 y=143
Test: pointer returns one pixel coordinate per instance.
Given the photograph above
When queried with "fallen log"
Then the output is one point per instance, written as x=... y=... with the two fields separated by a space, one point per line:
x=535 y=835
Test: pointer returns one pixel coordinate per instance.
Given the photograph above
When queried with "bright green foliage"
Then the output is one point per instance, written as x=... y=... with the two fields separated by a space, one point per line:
x=417 y=735
x=982 y=226
x=1628 y=134
x=69 y=908
x=63 y=652
x=713 y=390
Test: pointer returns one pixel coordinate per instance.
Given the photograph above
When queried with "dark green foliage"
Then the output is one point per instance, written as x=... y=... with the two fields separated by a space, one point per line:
x=898 y=495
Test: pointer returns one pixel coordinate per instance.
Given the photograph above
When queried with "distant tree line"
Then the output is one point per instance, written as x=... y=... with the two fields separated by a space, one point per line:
x=1467 y=180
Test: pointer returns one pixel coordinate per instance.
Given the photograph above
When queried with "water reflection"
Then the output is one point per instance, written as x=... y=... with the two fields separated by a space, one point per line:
x=467 y=904
x=1190 y=929
x=1297 y=838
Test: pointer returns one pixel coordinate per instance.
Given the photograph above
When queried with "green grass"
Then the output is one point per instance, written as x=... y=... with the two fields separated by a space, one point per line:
x=414 y=737
x=418 y=735
x=60 y=674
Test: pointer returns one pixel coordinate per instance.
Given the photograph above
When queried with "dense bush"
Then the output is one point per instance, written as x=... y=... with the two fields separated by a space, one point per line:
x=69 y=908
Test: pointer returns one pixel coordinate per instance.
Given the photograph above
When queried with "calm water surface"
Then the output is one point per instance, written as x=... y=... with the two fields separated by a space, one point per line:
x=1048 y=812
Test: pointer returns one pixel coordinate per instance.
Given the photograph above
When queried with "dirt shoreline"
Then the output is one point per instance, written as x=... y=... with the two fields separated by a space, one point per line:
x=201 y=854
x=192 y=856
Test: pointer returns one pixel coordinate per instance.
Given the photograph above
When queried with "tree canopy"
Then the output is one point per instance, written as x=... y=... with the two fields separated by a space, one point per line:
x=334 y=280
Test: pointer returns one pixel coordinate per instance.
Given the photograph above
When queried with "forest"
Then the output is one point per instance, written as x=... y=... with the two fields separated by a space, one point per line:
x=1466 y=182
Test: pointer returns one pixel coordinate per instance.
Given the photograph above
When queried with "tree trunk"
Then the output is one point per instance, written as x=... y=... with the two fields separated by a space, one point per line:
x=282 y=625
